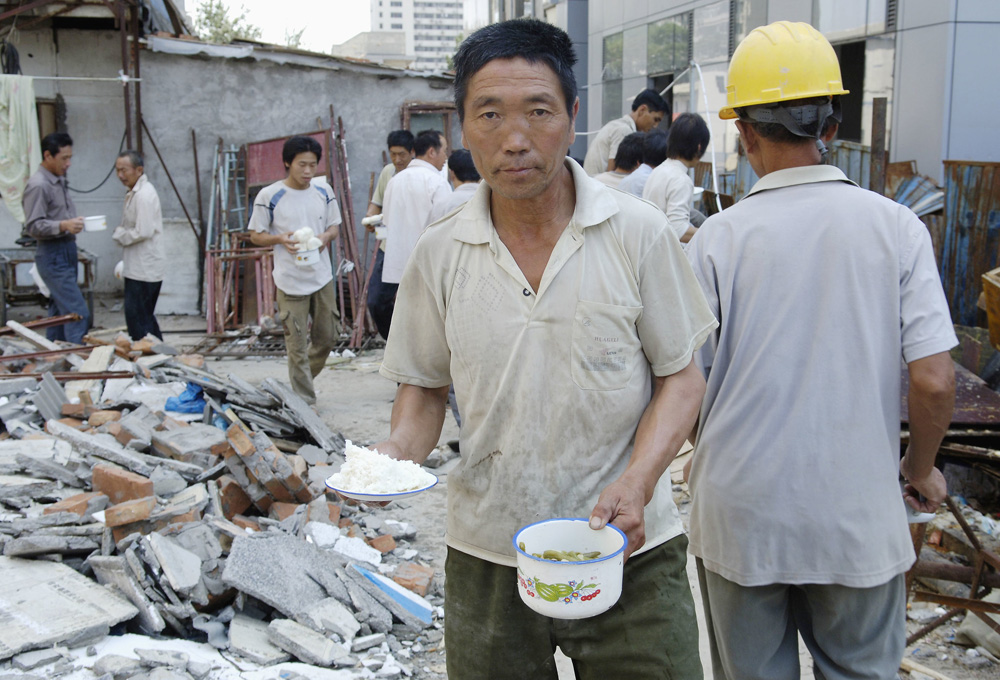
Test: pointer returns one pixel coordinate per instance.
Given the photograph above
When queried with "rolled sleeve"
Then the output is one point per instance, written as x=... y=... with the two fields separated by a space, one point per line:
x=925 y=320
x=676 y=318
x=36 y=223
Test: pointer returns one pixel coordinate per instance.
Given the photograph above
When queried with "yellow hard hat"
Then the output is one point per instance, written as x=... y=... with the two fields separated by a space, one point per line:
x=781 y=62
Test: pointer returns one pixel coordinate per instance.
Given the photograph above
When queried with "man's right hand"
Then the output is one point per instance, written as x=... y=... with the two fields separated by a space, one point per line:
x=287 y=240
x=72 y=226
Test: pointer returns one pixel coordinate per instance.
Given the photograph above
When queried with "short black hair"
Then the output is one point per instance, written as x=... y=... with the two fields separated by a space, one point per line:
x=55 y=141
x=654 y=148
x=427 y=140
x=296 y=145
x=134 y=157
x=688 y=137
x=460 y=163
x=652 y=100
x=530 y=39
x=403 y=138
x=629 y=153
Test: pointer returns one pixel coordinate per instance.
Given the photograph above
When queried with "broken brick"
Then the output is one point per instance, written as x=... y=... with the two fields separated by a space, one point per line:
x=334 y=513
x=280 y=510
x=245 y=523
x=233 y=498
x=80 y=504
x=120 y=485
x=129 y=512
x=383 y=544
x=415 y=577
x=98 y=418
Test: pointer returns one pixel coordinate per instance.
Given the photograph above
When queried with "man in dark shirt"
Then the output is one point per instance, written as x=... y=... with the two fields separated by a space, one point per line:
x=51 y=219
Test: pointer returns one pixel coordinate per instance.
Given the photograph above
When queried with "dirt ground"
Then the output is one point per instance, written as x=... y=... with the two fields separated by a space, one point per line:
x=355 y=400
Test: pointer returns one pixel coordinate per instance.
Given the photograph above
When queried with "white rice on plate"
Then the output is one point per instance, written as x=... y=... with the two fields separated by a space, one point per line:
x=368 y=471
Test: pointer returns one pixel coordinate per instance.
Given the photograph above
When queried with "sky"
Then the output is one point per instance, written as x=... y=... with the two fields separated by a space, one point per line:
x=326 y=22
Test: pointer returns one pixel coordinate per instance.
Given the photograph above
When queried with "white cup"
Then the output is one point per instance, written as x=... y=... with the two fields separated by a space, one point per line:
x=95 y=223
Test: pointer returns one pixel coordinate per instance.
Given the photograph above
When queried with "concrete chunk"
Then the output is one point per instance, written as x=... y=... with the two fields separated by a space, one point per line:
x=152 y=658
x=367 y=642
x=283 y=571
x=16 y=486
x=117 y=666
x=101 y=446
x=166 y=482
x=33 y=546
x=248 y=637
x=114 y=571
x=330 y=616
x=41 y=657
x=189 y=444
x=181 y=567
x=47 y=603
x=305 y=644
x=409 y=608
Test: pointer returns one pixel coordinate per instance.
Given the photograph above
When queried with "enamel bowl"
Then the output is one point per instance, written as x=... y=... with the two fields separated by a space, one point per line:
x=95 y=223
x=570 y=590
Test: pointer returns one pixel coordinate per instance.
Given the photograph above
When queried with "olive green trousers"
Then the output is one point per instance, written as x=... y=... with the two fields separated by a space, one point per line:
x=308 y=344
x=650 y=633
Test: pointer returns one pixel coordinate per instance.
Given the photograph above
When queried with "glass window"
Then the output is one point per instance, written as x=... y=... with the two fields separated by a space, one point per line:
x=612 y=104
x=634 y=52
x=711 y=33
x=842 y=16
x=667 y=44
x=612 y=63
x=747 y=15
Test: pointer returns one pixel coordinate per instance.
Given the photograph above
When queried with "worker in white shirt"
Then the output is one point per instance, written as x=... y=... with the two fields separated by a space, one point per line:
x=464 y=178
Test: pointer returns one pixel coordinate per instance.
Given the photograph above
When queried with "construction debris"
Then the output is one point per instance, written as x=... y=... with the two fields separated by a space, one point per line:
x=121 y=517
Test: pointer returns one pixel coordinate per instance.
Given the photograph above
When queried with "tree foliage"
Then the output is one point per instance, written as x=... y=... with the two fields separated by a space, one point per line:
x=214 y=24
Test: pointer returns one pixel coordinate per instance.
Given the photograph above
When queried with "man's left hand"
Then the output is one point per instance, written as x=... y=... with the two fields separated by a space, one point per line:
x=622 y=505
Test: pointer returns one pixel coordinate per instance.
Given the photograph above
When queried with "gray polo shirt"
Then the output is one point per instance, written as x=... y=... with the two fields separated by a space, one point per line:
x=46 y=204
x=822 y=290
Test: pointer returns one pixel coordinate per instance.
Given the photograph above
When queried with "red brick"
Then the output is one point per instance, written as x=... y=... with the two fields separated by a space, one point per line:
x=415 y=577
x=383 y=544
x=129 y=512
x=344 y=523
x=245 y=523
x=120 y=485
x=74 y=411
x=192 y=360
x=353 y=531
x=334 y=513
x=240 y=440
x=234 y=499
x=169 y=423
x=77 y=504
x=280 y=510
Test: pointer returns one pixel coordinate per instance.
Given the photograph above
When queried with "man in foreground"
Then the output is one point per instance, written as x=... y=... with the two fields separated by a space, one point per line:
x=51 y=219
x=305 y=292
x=140 y=237
x=820 y=287
x=557 y=306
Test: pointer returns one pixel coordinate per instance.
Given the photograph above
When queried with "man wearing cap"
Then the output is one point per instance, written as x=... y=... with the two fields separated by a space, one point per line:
x=798 y=522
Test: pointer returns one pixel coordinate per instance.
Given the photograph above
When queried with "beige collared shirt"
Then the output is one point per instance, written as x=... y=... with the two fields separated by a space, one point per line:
x=605 y=144
x=551 y=384
x=822 y=289
x=670 y=188
x=140 y=233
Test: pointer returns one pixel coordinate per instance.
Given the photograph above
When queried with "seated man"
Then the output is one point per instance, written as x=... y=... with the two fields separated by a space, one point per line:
x=626 y=160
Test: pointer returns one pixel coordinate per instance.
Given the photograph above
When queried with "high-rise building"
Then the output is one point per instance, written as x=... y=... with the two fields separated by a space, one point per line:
x=433 y=28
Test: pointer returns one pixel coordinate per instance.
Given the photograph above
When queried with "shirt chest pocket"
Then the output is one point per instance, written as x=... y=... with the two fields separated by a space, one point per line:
x=605 y=343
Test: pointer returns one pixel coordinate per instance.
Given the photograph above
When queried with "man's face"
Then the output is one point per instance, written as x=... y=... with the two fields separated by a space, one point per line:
x=438 y=157
x=517 y=126
x=58 y=164
x=303 y=168
x=127 y=173
x=400 y=157
x=646 y=120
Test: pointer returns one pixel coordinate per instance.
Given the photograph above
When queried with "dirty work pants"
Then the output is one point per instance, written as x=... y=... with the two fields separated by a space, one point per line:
x=851 y=633
x=308 y=346
x=650 y=633
x=57 y=264
x=381 y=297
x=140 y=302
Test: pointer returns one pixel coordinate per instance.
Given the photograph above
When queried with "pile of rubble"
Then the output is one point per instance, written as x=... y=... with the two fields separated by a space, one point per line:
x=215 y=526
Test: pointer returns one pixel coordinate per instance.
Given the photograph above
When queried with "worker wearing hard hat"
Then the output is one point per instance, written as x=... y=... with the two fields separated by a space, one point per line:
x=820 y=287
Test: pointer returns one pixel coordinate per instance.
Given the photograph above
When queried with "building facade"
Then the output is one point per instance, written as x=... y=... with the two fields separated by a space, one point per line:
x=433 y=28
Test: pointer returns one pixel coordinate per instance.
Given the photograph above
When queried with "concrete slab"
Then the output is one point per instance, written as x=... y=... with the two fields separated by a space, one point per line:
x=152 y=658
x=181 y=566
x=166 y=482
x=117 y=666
x=357 y=549
x=189 y=444
x=283 y=571
x=46 y=603
x=248 y=637
x=307 y=645
x=40 y=657
x=406 y=606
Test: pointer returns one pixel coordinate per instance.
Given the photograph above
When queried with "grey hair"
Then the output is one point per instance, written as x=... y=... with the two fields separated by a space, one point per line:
x=134 y=157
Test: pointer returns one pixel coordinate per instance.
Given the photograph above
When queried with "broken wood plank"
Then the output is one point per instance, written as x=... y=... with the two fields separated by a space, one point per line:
x=322 y=434
x=97 y=361
x=41 y=341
